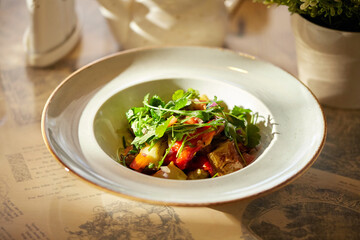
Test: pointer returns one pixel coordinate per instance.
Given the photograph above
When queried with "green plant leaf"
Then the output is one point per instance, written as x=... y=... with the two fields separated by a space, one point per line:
x=253 y=136
x=239 y=111
x=144 y=138
x=156 y=101
x=178 y=94
x=181 y=103
x=161 y=129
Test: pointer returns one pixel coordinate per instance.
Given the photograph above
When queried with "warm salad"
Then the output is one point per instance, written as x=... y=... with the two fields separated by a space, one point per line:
x=189 y=137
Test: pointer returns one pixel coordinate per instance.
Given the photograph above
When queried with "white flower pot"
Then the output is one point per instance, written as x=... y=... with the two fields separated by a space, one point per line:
x=328 y=62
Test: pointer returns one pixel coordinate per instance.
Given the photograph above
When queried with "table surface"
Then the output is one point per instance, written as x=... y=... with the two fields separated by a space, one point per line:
x=40 y=200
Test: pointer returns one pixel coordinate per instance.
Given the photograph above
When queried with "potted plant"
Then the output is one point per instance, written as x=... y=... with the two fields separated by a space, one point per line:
x=327 y=38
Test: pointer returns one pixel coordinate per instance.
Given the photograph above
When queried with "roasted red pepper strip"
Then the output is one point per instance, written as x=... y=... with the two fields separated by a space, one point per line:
x=185 y=156
x=202 y=162
x=192 y=120
x=208 y=167
x=189 y=150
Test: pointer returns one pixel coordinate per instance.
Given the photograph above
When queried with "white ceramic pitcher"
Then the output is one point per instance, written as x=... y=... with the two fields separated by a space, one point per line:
x=137 y=23
x=52 y=33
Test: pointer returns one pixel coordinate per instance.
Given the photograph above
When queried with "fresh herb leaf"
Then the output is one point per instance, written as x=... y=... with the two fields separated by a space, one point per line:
x=156 y=114
x=181 y=147
x=253 y=136
x=237 y=121
x=144 y=138
x=193 y=93
x=161 y=129
x=129 y=114
x=230 y=131
x=166 y=153
x=239 y=111
x=178 y=94
x=146 y=99
x=156 y=101
x=181 y=103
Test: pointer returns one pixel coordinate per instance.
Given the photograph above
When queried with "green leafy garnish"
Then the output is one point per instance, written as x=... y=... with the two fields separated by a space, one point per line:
x=253 y=136
x=158 y=119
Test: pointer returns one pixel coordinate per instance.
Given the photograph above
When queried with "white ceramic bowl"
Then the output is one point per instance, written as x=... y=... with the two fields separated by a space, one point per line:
x=83 y=117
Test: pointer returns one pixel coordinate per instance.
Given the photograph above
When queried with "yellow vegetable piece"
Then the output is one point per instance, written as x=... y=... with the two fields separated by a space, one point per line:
x=170 y=172
x=149 y=155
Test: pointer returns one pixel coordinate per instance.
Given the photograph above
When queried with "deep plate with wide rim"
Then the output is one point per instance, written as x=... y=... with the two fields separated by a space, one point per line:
x=83 y=117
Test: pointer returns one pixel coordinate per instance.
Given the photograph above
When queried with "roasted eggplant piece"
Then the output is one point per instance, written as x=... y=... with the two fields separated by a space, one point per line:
x=225 y=158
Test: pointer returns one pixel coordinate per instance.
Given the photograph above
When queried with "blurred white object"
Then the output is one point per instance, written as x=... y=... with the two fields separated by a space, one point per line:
x=53 y=31
x=138 y=23
x=328 y=63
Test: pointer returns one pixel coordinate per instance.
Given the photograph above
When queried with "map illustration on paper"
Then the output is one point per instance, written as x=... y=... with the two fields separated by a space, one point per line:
x=300 y=211
x=128 y=220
